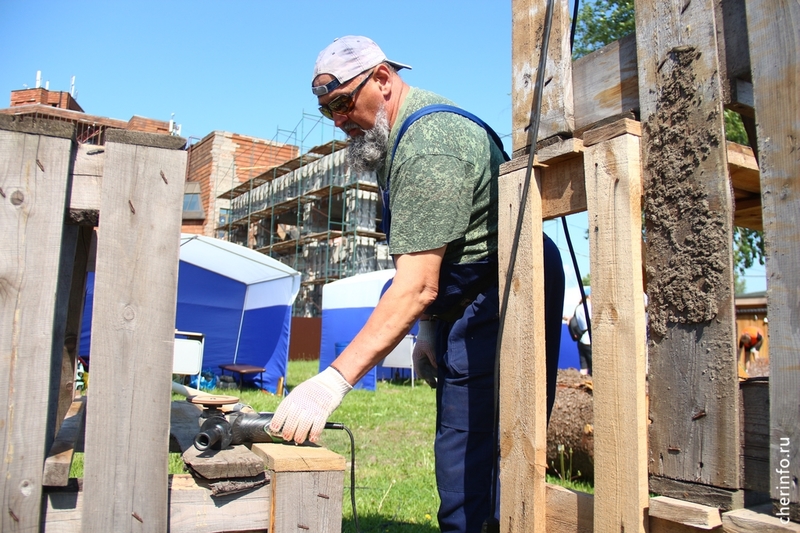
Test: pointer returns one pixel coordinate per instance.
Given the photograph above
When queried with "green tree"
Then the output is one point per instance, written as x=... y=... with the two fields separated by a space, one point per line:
x=601 y=22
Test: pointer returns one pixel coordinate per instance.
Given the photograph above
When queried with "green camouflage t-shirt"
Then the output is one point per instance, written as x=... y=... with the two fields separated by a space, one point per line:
x=443 y=184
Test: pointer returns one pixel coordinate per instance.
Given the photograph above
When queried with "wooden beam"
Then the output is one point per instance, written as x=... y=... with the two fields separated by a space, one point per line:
x=523 y=425
x=773 y=27
x=133 y=330
x=609 y=131
x=687 y=513
x=613 y=197
x=750 y=521
x=694 y=435
x=34 y=180
x=59 y=460
x=307 y=487
x=528 y=17
x=606 y=83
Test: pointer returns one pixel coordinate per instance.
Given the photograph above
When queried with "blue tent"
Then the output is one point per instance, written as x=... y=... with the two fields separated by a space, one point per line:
x=346 y=306
x=241 y=300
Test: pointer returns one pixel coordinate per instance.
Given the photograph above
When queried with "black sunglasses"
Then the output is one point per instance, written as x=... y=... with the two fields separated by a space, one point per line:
x=344 y=103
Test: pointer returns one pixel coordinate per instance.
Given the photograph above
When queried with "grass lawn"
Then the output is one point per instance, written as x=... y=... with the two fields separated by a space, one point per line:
x=393 y=428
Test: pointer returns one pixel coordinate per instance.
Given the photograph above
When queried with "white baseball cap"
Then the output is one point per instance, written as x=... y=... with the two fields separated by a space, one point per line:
x=347 y=57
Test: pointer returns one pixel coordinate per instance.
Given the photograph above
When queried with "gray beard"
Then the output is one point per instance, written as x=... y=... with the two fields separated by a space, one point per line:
x=367 y=152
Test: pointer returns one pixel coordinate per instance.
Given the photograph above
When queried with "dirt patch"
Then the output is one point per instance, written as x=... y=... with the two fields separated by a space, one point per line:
x=571 y=427
x=685 y=258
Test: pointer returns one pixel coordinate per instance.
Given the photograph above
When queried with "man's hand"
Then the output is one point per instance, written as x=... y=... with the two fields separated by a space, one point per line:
x=425 y=352
x=305 y=410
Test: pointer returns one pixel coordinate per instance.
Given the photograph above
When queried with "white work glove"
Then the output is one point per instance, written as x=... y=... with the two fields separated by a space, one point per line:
x=425 y=352
x=305 y=410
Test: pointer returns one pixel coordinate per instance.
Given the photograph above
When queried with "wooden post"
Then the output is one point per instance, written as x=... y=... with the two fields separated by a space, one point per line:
x=523 y=410
x=526 y=44
x=773 y=28
x=613 y=197
x=133 y=330
x=34 y=186
x=307 y=486
x=694 y=435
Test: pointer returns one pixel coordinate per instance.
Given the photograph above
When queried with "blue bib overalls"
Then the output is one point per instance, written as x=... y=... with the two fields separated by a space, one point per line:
x=467 y=311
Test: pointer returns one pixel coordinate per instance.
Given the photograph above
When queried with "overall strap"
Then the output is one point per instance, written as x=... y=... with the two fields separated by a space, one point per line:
x=437 y=108
x=419 y=113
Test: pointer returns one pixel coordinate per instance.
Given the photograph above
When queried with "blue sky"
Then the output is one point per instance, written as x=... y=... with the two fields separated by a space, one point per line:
x=245 y=66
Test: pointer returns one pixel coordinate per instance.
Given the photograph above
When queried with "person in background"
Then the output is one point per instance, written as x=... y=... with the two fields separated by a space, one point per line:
x=440 y=193
x=585 y=340
x=750 y=342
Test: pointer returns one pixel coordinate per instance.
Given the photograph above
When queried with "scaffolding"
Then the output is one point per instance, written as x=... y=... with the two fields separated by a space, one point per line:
x=313 y=214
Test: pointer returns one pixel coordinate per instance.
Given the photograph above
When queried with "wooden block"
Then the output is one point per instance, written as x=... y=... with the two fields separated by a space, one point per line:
x=286 y=457
x=723 y=499
x=609 y=131
x=569 y=511
x=59 y=460
x=606 y=82
x=686 y=513
x=749 y=521
x=232 y=462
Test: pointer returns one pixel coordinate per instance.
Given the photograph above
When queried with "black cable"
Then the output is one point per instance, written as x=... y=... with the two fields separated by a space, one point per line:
x=337 y=425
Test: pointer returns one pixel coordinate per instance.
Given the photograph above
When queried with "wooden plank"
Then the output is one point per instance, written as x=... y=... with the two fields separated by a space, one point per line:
x=84 y=205
x=694 y=435
x=527 y=18
x=724 y=499
x=306 y=501
x=34 y=180
x=232 y=462
x=192 y=509
x=287 y=457
x=687 y=513
x=749 y=521
x=733 y=51
x=609 y=131
x=613 y=197
x=773 y=27
x=133 y=328
x=523 y=431
x=606 y=83
x=59 y=459
x=569 y=511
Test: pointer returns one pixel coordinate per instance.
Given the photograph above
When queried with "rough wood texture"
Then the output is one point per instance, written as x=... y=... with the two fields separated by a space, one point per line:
x=288 y=457
x=523 y=431
x=749 y=521
x=133 y=328
x=724 y=499
x=694 y=435
x=84 y=205
x=307 y=487
x=613 y=197
x=609 y=131
x=606 y=83
x=192 y=509
x=773 y=28
x=232 y=462
x=34 y=181
x=569 y=511
x=687 y=513
x=526 y=37
x=59 y=460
